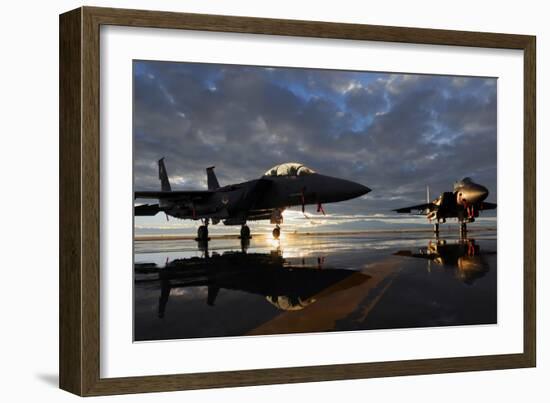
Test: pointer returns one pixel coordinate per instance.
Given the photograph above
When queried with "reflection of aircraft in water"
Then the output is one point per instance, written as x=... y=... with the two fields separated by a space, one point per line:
x=464 y=256
x=265 y=198
x=464 y=203
x=286 y=286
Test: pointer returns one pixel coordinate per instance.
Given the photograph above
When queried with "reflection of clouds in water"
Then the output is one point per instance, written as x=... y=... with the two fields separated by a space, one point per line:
x=291 y=245
x=421 y=297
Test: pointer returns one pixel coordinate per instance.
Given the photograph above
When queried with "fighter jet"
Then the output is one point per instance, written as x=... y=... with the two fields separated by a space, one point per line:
x=283 y=186
x=464 y=203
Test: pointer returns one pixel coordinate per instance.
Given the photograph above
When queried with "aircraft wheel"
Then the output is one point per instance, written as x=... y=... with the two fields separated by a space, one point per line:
x=245 y=232
x=276 y=232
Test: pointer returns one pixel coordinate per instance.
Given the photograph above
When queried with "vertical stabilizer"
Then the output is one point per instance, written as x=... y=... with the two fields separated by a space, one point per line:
x=163 y=176
x=211 y=178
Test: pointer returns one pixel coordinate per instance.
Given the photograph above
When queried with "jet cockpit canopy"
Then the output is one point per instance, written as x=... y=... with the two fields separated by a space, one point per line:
x=289 y=169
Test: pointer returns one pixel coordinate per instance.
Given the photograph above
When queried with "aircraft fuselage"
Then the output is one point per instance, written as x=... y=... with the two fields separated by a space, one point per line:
x=463 y=203
x=278 y=192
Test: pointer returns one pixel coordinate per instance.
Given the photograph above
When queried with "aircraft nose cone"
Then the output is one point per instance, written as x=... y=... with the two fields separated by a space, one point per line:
x=485 y=193
x=330 y=190
x=354 y=190
x=478 y=193
x=361 y=190
x=482 y=192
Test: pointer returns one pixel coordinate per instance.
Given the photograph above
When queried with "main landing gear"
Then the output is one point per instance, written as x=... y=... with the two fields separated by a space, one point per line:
x=276 y=232
x=436 y=228
x=202 y=232
x=245 y=232
x=203 y=238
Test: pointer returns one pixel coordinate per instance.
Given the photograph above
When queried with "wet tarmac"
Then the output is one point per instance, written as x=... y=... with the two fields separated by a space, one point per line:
x=313 y=283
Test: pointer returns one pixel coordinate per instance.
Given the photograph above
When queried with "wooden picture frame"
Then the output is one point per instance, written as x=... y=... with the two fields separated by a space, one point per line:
x=79 y=201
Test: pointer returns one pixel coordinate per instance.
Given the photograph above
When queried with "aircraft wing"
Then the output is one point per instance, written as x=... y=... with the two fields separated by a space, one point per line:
x=419 y=207
x=487 y=206
x=174 y=194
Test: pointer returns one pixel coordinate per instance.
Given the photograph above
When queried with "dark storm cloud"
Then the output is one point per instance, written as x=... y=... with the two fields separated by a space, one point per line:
x=395 y=133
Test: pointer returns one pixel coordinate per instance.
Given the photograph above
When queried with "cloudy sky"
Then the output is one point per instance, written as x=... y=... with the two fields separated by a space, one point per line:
x=395 y=133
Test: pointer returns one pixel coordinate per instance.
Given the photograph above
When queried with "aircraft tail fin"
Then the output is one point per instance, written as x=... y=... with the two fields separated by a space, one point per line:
x=163 y=176
x=211 y=178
